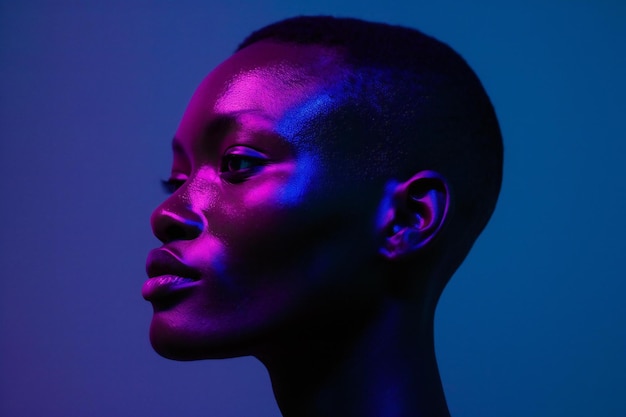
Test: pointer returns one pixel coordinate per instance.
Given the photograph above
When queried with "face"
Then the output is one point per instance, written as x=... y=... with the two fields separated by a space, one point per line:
x=267 y=229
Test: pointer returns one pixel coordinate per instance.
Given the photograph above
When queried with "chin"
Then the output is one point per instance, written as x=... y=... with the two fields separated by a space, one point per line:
x=186 y=344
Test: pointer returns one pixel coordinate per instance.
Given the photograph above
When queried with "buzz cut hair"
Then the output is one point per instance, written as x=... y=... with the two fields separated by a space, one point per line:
x=419 y=99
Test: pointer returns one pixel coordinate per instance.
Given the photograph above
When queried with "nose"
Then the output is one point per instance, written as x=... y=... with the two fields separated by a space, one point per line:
x=176 y=220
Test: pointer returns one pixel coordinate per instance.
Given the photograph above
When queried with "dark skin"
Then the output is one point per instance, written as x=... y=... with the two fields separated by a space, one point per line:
x=273 y=247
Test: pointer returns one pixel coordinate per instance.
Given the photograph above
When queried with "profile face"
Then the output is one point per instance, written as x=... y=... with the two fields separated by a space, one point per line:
x=267 y=230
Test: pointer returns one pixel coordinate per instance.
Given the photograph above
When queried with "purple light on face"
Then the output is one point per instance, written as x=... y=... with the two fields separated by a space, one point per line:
x=264 y=192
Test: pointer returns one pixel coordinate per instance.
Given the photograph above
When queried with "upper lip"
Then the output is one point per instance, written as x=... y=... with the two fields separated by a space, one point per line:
x=162 y=262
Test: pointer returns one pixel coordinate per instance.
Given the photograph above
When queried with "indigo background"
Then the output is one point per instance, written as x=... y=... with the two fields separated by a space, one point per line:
x=534 y=322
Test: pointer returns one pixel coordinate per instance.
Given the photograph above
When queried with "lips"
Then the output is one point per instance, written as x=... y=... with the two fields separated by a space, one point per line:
x=162 y=262
x=169 y=277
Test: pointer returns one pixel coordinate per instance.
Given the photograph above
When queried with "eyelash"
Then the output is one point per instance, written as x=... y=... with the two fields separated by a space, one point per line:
x=253 y=164
x=236 y=168
x=229 y=173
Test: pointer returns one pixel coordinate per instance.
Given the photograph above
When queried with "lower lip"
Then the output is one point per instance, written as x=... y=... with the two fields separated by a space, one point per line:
x=164 y=286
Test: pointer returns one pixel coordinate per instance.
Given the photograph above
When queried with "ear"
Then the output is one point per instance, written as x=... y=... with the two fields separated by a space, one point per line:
x=415 y=211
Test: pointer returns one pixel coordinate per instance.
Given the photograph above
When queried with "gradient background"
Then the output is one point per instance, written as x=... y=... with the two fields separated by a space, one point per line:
x=534 y=322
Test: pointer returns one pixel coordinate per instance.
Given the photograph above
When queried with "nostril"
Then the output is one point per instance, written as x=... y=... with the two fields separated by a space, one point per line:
x=175 y=232
x=169 y=227
x=184 y=231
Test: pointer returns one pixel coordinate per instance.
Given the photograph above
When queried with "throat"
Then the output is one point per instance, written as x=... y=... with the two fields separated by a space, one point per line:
x=384 y=369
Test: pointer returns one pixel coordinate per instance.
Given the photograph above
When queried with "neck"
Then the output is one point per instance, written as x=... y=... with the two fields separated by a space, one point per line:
x=384 y=367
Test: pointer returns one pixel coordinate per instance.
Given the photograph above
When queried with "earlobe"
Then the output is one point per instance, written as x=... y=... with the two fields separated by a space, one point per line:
x=417 y=210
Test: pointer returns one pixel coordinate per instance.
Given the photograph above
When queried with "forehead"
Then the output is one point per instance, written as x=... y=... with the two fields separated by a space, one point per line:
x=277 y=85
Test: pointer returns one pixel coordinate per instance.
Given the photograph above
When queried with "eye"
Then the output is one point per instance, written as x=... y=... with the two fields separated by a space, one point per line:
x=234 y=163
x=171 y=185
x=241 y=162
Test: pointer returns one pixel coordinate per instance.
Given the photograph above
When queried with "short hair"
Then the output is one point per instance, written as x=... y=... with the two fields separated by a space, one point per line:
x=422 y=102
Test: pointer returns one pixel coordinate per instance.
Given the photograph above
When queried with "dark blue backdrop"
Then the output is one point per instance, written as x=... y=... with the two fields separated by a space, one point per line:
x=533 y=324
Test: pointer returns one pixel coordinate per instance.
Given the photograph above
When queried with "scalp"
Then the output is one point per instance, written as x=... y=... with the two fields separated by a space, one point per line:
x=410 y=103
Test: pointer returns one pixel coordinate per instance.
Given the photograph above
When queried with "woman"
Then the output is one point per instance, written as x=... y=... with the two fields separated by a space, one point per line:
x=327 y=181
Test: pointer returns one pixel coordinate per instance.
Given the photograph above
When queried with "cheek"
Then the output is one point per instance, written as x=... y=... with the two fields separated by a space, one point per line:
x=263 y=236
x=284 y=185
x=304 y=174
x=265 y=204
x=261 y=198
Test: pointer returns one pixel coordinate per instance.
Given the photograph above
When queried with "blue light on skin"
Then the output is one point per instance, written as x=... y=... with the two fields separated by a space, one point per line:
x=193 y=223
x=305 y=172
x=385 y=214
x=295 y=119
x=291 y=126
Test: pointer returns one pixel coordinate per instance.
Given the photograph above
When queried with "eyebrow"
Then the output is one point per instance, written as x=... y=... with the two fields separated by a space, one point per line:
x=221 y=125
x=215 y=129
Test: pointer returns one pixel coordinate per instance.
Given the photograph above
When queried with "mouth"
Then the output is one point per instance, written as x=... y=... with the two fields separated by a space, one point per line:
x=167 y=275
x=162 y=262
